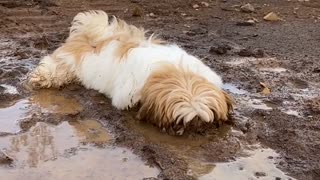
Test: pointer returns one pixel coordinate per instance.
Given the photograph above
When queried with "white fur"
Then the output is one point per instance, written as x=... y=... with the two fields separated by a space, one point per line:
x=123 y=79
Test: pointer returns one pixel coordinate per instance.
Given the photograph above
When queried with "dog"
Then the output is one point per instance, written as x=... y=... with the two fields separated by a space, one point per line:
x=173 y=88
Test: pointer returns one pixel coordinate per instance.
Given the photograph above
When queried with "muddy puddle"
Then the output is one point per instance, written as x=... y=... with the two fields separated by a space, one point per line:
x=57 y=152
x=53 y=101
x=11 y=114
x=258 y=163
x=77 y=149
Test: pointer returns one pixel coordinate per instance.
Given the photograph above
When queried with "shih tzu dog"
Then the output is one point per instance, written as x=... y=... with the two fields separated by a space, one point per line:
x=173 y=88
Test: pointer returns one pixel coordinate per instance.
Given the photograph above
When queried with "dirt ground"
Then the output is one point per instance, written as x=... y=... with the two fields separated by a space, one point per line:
x=284 y=55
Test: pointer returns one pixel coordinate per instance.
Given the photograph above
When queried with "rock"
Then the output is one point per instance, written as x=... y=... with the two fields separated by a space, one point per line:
x=195 y=6
x=220 y=49
x=316 y=70
x=226 y=8
x=259 y=174
x=152 y=15
x=278 y=178
x=190 y=33
x=247 y=8
x=136 y=12
x=258 y=53
x=205 y=4
x=246 y=23
x=272 y=17
x=245 y=53
x=266 y=90
x=5 y=159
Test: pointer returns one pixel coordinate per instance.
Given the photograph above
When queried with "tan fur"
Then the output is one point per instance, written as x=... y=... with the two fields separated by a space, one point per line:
x=54 y=76
x=128 y=37
x=77 y=46
x=173 y=96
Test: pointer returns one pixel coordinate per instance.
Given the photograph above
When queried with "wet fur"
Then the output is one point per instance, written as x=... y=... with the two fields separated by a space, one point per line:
x=173 y=87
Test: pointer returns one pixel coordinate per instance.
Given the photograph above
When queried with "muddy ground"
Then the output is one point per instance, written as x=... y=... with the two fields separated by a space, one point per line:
x=279 y=130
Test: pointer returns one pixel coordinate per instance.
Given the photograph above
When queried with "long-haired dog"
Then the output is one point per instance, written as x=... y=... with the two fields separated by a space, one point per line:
x=173 y=88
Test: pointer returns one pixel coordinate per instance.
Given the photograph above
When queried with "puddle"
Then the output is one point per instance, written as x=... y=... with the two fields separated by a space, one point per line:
x=258 y=104
x=259 y=164
x=52 y=101
x=292 y=112
x=57 y=152
x=8 y=89
x=239 y=61
x=276 y=70
x=233 y=89
x=91 y=131
x=153 y=134
x=10 y=116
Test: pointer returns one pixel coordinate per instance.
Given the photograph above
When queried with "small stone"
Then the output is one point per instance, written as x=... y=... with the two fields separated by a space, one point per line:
x=5 y=159
x=152 y=15
x=245 y=53
x=195 y=6
x=247 y=8
x=190 y=33
x=259 y=53
x=220 y=49
x=205 y=4
x=272 y=17
x=277 y=178
x=246 y=23
x=260 y=174
x=136 y=12
x=316 y=70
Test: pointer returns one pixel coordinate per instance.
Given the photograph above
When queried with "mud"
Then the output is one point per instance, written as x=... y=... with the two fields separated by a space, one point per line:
x=79 y=125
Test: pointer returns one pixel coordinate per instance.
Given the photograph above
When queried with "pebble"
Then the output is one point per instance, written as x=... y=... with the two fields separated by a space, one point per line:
x=195 y=6
x=4 y=159
x=152 y=15
x=271 y=17
x=205 y=4
x=247 y=8
x=258 y=53
x=220 y=49
x=246 y=23
x=136 y=12
x=259 y=174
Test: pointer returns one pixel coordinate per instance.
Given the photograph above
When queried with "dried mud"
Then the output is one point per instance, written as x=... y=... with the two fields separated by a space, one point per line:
x=278 y=132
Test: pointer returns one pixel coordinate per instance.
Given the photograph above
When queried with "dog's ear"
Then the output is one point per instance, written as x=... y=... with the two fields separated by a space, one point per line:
x=230 y=101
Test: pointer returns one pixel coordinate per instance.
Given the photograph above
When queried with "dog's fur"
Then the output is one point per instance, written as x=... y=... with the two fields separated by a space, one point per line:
x=172 y=86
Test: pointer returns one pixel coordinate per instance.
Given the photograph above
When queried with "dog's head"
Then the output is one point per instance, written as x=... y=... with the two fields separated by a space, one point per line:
x=175 y=98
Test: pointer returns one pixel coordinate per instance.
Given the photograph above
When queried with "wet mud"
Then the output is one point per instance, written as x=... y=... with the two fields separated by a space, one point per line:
x=75 y=133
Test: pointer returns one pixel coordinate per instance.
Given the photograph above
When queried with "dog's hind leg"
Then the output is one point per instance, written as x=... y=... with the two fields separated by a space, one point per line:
x=51 y=72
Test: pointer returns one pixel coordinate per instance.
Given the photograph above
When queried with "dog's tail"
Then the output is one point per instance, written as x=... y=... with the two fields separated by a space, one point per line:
x=93 y=24
x=174 y=97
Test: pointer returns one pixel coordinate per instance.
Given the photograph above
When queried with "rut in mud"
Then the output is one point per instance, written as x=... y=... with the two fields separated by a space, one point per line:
x=273 y=135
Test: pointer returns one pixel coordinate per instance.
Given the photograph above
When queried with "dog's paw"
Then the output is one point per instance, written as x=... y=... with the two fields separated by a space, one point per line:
x=37 y=80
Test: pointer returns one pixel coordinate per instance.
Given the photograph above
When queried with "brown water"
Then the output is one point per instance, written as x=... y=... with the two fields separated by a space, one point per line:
x=56 y=152
x=11 y=114
x=258 y=163
x=53 y=101
x=64 y=151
